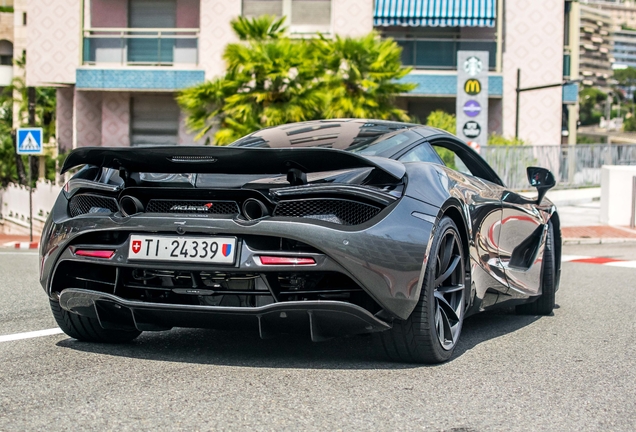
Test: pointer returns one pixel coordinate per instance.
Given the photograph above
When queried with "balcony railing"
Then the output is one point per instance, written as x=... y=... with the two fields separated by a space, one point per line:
x=141 y=46
x=442 y=53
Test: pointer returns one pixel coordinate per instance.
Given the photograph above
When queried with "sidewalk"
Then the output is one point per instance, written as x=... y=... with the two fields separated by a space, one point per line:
x=580 y=225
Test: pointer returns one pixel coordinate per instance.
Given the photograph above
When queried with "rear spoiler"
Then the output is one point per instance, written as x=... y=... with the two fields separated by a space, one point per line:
x=226 y=160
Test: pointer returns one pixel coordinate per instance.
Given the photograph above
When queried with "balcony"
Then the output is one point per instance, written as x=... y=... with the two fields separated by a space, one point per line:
x=441 y=54
x=141 y=47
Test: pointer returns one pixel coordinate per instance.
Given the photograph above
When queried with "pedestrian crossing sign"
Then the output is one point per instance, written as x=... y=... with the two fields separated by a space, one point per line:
x=30 y=141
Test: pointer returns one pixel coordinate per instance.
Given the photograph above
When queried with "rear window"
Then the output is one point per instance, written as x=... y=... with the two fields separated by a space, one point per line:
x=386 y=145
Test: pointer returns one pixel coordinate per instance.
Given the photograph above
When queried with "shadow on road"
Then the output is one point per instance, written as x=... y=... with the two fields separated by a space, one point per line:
x=246 y=349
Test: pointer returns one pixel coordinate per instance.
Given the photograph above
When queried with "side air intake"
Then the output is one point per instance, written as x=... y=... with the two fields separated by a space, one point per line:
x=88 y=203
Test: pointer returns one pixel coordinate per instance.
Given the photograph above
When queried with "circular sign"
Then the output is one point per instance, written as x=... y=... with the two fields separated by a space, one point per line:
x=472 y=108
x=473 y=66
x=471 y=129
x=472 y=87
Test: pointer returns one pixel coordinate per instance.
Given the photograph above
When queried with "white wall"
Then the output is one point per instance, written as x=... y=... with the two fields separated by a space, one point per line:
x=15 y=204
x=53 y=41
x=534 y=43
x=6 y=75
x=616 y=194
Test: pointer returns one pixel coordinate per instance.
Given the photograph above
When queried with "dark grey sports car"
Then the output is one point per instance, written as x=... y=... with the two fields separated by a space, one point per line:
x=335 y=227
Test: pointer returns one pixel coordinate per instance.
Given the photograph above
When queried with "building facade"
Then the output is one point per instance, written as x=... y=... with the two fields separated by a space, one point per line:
x=623 y=12
x=595 y=46
x=118 y=64
x=624 y=51
x=519 y=35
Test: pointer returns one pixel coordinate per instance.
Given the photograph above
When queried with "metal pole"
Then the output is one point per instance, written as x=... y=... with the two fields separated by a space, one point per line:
x=518 y=90
x=608 y=111
x=30 y=201
x=632 y=220
x=31 y=106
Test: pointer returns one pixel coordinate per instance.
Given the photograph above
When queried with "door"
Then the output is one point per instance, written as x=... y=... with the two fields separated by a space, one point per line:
x=154 y=120
x=478 y=185
x=521 y=243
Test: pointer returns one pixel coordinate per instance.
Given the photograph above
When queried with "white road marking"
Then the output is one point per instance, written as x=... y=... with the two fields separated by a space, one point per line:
x=29 y=335
x=628 y=264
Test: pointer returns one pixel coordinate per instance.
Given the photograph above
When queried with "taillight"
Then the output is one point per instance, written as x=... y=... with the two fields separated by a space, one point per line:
x=95 y=253
x=282 y=260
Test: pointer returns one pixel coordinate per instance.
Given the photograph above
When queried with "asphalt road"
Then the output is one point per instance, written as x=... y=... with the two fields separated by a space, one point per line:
x=575 y=370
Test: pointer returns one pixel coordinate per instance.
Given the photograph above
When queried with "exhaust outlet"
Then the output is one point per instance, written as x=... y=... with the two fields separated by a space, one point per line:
x=130 y=205
x=254 y=209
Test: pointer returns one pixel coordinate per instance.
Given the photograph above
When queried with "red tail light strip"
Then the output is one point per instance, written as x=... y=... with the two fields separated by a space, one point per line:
x=281 y=260
x=95 y=253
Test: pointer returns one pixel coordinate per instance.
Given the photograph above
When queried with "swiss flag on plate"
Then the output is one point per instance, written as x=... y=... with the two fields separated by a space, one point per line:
x=136 y=246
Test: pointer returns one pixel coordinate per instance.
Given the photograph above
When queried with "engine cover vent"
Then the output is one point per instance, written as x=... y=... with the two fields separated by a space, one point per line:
x=340 y=211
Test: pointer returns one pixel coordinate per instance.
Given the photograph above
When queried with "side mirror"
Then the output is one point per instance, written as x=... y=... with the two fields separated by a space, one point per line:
x=542 y=179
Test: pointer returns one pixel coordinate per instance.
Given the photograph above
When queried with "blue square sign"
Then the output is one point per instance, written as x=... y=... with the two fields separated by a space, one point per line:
x=30 y=141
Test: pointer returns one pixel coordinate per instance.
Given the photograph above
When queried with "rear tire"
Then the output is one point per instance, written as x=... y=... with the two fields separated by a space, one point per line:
x=431 y=332
x=87 y=329
x=544 y=304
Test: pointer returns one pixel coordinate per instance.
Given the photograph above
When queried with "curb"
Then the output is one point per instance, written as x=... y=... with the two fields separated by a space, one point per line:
x=600 y=240
x=599 y=260
x=22 y=245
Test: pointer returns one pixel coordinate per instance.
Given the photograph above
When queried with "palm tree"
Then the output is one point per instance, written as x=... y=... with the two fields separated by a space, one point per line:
x=259 y=28
x=269 y=81
x=272 y=79
x=363 y=77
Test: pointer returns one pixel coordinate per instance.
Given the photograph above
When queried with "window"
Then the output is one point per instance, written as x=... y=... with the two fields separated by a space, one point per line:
x=459 y=157
x=387 y=145
x=451 y=160
x=254 y=8
x=146 y=47
x=303 y=16
x=6 y=53
x=422 y=153
x=24 y=18
x=154 y=120
x=311 y=13
x=152 y=13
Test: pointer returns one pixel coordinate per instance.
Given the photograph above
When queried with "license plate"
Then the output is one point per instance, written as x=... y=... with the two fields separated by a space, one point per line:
x=212 y=250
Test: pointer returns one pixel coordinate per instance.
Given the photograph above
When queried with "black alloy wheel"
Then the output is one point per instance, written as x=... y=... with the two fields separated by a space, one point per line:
x=431 y=333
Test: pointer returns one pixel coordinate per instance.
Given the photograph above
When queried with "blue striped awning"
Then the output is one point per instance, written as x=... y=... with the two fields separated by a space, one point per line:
x=435 y=13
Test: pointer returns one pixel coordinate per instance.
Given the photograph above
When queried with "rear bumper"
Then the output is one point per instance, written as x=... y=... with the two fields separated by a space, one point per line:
x=385 y=258
x=322 y=319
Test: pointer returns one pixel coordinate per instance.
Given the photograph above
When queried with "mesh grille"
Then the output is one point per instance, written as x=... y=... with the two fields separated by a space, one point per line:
x=82 y=204
x=180 y=206
x=338 y=211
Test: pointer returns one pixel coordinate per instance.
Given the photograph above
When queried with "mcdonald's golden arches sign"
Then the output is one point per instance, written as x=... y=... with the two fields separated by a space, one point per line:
x=472 y=87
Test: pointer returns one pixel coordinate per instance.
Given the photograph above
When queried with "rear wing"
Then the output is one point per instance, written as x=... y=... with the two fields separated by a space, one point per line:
x=226 y=160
